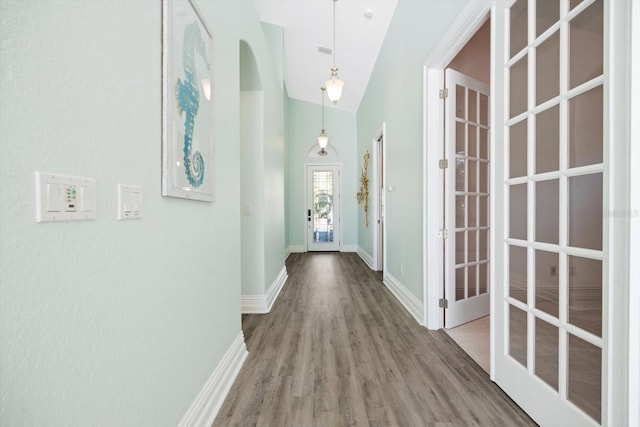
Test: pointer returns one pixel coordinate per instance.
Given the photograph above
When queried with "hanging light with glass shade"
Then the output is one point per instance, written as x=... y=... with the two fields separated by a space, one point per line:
x=323 y=139
x=334 y=84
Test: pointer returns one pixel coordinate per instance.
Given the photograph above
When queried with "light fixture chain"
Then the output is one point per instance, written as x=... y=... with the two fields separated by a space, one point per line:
x=334 y=33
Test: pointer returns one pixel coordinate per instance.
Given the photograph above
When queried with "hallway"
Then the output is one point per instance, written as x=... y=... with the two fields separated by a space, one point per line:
x=338 y=349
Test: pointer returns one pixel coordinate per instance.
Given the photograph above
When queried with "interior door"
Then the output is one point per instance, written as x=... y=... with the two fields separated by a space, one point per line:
x=323 y=208
x=466 y=199
x=549 y=308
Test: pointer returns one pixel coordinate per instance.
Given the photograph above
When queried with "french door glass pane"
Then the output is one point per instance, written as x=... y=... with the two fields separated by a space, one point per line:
x=471 y=289
x=322 y=206
x=547 y=211
x=547 y=140
x=484 y=146
x=471 y=248
x=460 y=294
x=460 y=138
x=472 y=166
x=460 y=249
x=473 y=141
x=518 y=18
x=518 y=90
x=546 y=353
x=586 y=45
x=547 y=14
x=484 y=110
x=518 y=273
x=461 y=102
x=585 y=211
x=484 y=177
x=586 y=128
x=483 y=278
x=518 y=149
x=460 y=211
x=584 y=378
x=460 y=175
x=585 y=294
x=484 y=211
x=548 y=69
x=471 y=212
x=473 y=106
x=518 y=334
x=547 y=296
x=518 y=211
x=483 y=245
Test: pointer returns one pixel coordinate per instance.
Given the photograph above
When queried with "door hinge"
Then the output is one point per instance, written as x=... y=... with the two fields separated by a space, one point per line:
x=443 y=163
x=443 y=93
x=443 y=233
x=443 y=303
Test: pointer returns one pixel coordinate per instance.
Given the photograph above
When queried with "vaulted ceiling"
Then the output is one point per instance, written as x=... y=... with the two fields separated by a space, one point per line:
x=360 y=28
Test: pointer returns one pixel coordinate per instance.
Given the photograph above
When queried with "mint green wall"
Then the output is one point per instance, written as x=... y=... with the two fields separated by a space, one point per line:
x=304 y=122
x=106 y=322
x=394 y=96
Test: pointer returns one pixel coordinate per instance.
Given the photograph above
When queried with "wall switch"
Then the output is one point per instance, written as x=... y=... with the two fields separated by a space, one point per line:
x=129 y=202
x=64 y=198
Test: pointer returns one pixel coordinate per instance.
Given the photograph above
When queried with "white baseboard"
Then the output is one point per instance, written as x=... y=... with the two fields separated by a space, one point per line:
x=261 y=304
x=254 y=304
x=414 y=306
x=295 y=249
x=368 y=259
x=349 y=248
x=287 y=252
x=276 y=287
x=204 y=409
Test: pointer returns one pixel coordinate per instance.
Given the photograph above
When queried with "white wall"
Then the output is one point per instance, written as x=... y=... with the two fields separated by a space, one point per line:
x=394 y=96
x=106 y=322
x=304 y=123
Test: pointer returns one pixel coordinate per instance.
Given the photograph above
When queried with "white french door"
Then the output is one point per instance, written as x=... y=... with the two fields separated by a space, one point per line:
x=323 y=208
x=466 y=199
x=550 y=342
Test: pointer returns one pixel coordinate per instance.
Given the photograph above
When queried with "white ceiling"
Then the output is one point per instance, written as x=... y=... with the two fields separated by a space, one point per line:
x=308 y=24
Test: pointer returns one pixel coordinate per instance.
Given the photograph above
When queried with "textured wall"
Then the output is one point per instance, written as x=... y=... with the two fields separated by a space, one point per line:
x=106 y=322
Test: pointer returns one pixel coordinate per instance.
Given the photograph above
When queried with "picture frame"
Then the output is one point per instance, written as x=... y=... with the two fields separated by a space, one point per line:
x=187 y=102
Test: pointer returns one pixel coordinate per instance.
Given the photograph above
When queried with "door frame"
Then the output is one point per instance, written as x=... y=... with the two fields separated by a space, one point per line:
x=469 y=21
x=379 y=259
x=306 y=201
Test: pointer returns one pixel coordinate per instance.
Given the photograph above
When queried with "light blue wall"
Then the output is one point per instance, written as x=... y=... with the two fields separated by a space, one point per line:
x=106 y=322
x=394 y=96
x=304 y=123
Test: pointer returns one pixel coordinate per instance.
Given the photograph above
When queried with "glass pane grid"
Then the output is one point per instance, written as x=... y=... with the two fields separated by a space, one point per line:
x=549 y=173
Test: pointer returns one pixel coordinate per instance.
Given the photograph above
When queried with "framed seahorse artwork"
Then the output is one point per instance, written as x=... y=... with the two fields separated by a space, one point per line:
x=187 y=102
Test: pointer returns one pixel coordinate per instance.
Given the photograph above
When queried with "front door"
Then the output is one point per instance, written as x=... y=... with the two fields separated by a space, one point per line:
x=323 y=208
x=466 y=199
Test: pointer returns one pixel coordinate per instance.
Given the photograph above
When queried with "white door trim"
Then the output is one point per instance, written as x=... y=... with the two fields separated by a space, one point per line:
x=472 y=17
x=379 y=259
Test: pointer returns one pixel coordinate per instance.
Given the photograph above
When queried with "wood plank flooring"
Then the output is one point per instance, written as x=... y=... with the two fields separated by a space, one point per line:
x=339 y=350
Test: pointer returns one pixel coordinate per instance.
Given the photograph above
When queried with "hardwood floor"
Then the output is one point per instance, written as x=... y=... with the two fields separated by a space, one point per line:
x=338 y=350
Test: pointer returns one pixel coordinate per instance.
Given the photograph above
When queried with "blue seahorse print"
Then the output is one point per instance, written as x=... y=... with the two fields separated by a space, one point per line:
x=188 y=97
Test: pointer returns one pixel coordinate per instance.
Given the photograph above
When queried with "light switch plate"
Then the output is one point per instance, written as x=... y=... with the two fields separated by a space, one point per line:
x=64 y=198
x=129 y=202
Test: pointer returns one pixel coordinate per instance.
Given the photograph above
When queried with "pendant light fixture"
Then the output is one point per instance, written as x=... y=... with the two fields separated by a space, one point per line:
x=323 y=139
x=334 y=84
